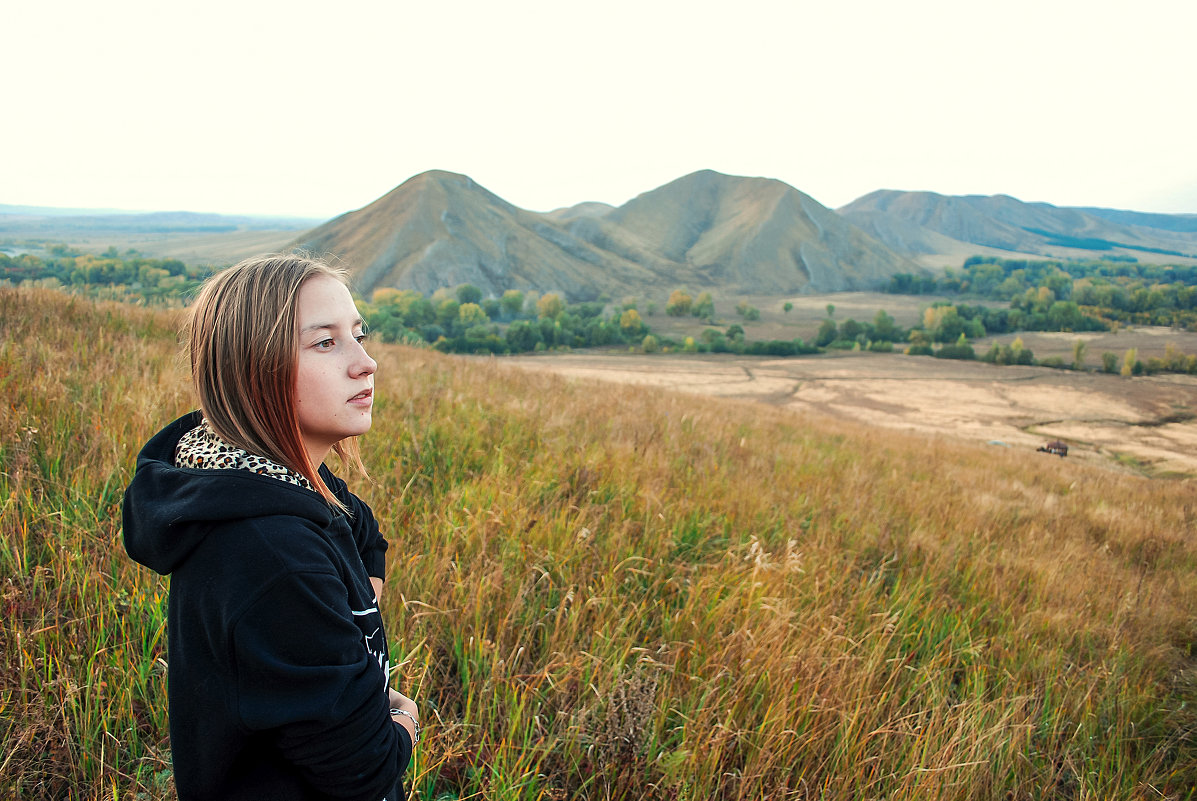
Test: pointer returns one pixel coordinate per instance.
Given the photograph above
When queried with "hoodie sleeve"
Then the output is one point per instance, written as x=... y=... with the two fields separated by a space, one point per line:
x=370 y=543
x=303 y=675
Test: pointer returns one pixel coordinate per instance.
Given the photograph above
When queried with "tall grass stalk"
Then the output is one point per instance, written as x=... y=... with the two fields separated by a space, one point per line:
x=609 y=592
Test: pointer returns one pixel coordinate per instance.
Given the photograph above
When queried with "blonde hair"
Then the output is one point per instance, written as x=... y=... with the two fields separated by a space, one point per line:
x=243 y=341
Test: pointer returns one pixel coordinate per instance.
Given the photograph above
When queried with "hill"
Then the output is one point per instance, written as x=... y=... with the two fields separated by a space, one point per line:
x=441 y=229
x=600 y=592
x=705 y=230
x=923 y=224
x=755 y=234
x=42 y=221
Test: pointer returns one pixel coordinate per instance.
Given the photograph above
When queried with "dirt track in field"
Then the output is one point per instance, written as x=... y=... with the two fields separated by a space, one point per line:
x=1148 y=424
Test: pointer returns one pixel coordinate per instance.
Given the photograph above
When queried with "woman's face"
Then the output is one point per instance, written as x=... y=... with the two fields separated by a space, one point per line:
x=334 y=388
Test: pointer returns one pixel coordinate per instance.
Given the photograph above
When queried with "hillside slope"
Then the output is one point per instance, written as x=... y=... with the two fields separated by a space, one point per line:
x=921 y=223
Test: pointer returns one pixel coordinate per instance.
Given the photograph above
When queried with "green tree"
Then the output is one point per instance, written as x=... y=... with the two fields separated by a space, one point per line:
x=850 y=330
x=830 y=309
x=470 y=314
x=704 y=306
x=512 y=303
x=827 y=333
x=787 y=307
x=468 y=293
x=523 y=336
x=650 y=344
x=1078 y=355
x=1109 y=362
x=884 y=328
x=446 y=311
x=943 y=323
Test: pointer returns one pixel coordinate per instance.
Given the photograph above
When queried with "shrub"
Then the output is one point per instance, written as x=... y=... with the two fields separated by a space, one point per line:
x=747 y=311
x=679 y=303
x=827 y=333
x=956 y=351
x=850 y=329
x=1129 y=360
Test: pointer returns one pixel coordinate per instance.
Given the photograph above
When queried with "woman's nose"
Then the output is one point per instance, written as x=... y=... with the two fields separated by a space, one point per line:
x=364 y=365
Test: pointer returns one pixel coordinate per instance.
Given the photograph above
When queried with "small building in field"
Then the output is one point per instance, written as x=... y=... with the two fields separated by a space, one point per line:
x=1055 y=446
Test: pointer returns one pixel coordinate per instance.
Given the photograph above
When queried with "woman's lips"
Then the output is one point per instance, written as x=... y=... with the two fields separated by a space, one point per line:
x=363 y=398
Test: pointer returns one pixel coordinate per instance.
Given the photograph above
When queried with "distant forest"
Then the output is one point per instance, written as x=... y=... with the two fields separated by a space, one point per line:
x=1068 y=296
x=110 y=275
x=1056 y=295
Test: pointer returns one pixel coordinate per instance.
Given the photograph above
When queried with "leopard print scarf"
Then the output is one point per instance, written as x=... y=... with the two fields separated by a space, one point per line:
x=202 y=448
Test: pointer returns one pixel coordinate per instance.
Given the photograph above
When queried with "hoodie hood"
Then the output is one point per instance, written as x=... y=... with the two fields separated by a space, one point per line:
x=168 y=510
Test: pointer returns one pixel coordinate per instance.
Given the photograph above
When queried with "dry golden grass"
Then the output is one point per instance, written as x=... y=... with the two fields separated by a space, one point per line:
x=607 y=592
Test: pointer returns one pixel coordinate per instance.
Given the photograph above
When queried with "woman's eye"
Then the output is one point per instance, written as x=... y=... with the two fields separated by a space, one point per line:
x=361 y=338
x=325 y=344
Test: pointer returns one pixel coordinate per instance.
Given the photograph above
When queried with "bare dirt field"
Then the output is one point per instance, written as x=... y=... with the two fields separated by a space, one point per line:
x=1146 y=424
x=802 y=320
x=201 y=248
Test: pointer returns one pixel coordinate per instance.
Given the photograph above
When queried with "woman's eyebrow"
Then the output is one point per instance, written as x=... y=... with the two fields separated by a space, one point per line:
x=330 y=326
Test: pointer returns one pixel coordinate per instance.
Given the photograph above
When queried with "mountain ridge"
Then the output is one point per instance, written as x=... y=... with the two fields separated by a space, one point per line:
x=927 y=224
x=703 y=230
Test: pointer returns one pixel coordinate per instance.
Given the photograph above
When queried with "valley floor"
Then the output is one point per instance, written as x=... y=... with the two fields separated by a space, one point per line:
x=1147 y=424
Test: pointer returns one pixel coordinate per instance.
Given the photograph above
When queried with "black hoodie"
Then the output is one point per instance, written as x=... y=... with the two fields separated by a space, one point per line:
x=276 y=651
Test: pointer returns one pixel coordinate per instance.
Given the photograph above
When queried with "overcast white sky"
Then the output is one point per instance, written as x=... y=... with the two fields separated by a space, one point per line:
x=315 y=109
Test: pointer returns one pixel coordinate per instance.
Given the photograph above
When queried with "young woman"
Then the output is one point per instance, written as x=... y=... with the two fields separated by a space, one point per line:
x=277 y=656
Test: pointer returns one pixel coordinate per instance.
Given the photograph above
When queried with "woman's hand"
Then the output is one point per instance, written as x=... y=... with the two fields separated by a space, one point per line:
x=402 y=702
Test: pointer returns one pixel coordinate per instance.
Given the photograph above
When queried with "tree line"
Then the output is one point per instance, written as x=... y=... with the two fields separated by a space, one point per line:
x=128 y=276
x=1042 y=295
x=461 y=320
x=1056 y=295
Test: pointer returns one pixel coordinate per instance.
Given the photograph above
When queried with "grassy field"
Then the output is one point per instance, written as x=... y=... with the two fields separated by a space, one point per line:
x=607 y=592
